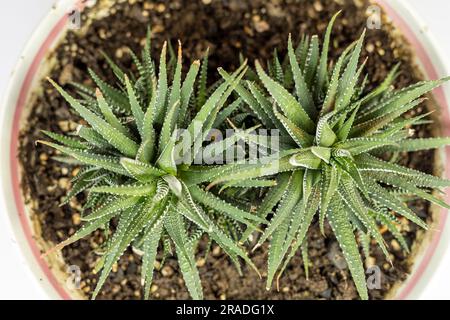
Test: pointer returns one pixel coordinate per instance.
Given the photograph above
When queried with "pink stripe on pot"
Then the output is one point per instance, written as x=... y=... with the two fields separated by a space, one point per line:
x=44 y=49
x=14 y=164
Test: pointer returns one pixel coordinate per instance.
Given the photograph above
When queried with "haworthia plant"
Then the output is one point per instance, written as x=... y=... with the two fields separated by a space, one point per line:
x=132 y=162
x=331 y=165
x=334 y=167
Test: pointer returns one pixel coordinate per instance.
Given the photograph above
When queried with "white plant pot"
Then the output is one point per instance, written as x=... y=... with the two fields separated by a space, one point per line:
x=31 y=68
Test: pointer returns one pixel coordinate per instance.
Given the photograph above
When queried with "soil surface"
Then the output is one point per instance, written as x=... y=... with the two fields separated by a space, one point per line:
x=227 y=27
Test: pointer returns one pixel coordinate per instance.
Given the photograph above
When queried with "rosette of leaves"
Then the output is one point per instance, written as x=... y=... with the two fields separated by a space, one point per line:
x=333 y=164
x=131 y=158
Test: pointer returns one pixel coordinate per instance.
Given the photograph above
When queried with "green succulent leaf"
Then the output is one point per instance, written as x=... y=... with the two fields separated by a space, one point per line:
x=302 y=138
x=66 y=141
x=311 y=63
x=151 y=241
x=192 y=212
x=301 y=87
x=202 y=84
x=109 y=133
x=382 y=197
x=354 y=202
x=329 y=186
x=176 y=228
x=330 y=98
x=287 y=204
x=109 y=115
x=274 y=195
x=325 y=136
x=136 y=108
x=251 y=183
x=250 y=99
x=114 y=96
x=368 y=163
x=413 y=145
x=126 y=190
x=300 y=224
x=322 y=72
x=92 y=159
x=306 y=159
x=344 y=234
x=350 y=77
x=212 y=201
x=141 y=171
x=129 y=227
x=322 y=153
x=186 y=91
x=118 y=205
x=292 y=109
x=161 y=92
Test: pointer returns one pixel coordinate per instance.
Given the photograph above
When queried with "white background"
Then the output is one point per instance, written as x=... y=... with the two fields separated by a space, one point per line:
x=19 y=18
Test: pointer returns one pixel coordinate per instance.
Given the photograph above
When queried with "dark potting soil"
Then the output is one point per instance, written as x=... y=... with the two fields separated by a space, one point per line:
x=227 y=27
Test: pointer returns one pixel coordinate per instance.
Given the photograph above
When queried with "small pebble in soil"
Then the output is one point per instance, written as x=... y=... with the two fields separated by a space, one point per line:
x=370 y=47
x=260 y=25
x=116 y=289
x=75 y=171
x=66 y=75
x=216 y=251
x=395 y=245
x=102 y=34
x=370 y=262
x=160 y=8
x=381 y=52
x=158 y=28
x=167 y=271
x=63 y=183
x=76 y=219
x=318 y=6
x=120 y=52
x=74 y=204
x=43 y=157
x=383 y=229
x=64 y=125
x=201 y=262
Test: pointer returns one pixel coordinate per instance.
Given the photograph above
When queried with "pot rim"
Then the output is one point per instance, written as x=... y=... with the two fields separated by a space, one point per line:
x=431 y=60
x=425 y=48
